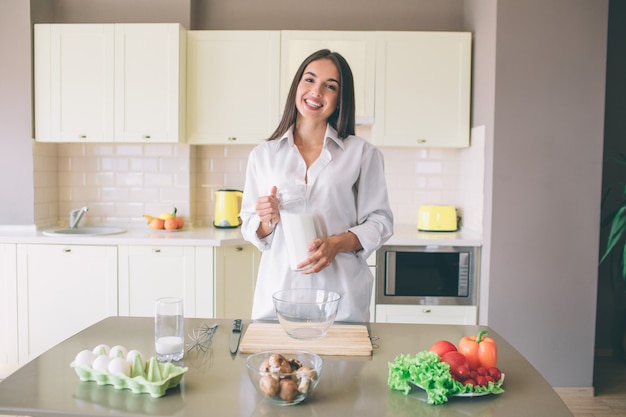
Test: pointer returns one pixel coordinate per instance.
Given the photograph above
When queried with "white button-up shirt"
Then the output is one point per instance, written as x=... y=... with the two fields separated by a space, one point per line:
x=346 y=191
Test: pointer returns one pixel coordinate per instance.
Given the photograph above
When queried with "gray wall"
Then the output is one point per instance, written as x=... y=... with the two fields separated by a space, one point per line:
x=16 y=156
x=538 y=90
x=547 y=168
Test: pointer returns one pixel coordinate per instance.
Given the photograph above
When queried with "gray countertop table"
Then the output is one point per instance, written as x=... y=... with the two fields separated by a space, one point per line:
x=217 y=384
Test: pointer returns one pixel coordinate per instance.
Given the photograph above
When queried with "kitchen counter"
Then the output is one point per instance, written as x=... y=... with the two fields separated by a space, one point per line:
x=199 y=236
x=405 y=235
x=217 y=384
x=408 y=235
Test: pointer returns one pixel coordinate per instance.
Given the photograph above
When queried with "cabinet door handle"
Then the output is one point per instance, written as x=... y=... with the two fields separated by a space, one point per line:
x=82 y=136
x=232 y=139
x=421 y=141
x=238 y=249
x=156 y=250
x=426 y=310
x=146 y=137
x=67 y=250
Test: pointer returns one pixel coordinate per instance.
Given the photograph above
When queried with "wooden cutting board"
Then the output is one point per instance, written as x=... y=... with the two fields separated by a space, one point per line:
x=341 y=340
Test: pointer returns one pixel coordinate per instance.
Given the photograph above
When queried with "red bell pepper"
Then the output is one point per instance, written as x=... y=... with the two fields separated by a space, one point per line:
x=479 y=350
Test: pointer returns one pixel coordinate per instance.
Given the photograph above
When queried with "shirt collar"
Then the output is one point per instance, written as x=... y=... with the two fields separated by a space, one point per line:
x=331 y=134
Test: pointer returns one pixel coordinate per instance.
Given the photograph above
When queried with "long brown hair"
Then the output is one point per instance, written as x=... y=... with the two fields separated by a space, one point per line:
x=342 y=119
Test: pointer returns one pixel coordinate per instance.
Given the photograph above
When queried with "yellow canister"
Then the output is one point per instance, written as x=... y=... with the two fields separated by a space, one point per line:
x=437 y=219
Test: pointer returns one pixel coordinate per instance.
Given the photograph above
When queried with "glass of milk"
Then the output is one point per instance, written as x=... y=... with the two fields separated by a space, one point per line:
x=298 y=224
x=169 y=336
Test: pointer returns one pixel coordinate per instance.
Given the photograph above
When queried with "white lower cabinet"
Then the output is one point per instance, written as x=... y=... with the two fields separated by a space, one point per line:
x=150 y=272
x=213 y=281
x=236 y=270
x=8 y=307
x=426 y=314
x=62 y=289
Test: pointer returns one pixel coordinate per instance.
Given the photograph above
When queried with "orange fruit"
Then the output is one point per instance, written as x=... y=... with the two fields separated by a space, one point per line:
x=156 y=224
x=179 y=222
x=170 y=224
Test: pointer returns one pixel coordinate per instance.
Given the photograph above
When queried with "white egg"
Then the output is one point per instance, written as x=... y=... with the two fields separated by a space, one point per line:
x=84 y=358
x=118 y=351
x=101 y=349
x=101 y=363
x=130 y=357
x=119 y=366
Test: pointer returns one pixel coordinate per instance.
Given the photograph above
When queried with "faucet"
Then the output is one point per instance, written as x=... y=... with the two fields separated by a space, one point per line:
x=76 y=216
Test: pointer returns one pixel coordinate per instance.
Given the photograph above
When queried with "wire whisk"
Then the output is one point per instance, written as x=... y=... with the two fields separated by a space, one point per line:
x=202 y=337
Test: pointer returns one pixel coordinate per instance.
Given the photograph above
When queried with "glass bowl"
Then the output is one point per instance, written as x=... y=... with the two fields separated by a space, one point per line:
x=306 y=313
x=284 y=377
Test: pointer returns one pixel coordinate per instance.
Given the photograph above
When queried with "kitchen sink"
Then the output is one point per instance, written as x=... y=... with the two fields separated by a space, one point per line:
x=85 y=231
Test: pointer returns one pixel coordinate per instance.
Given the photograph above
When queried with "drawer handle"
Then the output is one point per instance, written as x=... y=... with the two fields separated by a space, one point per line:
x=426 y=310
x=238 y=249
x=146 y=137
x=232 y=139
x=421 y=141
x=82 y=136
x=67 y=250
x=156 y=250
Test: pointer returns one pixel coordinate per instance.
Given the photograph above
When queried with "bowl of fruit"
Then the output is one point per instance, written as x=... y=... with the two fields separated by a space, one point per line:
x=165 y=221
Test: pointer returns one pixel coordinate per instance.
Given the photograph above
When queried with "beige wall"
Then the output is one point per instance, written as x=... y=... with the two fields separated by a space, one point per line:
x=328 y=15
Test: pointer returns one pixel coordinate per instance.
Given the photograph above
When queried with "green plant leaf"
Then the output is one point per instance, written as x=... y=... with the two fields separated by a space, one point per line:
x=624 y=263
x=618 y=230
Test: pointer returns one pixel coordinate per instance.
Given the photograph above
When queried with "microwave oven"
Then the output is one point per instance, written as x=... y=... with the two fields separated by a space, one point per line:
x=428 y=275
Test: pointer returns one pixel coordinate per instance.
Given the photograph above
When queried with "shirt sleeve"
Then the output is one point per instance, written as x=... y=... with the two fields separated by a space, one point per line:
x=374 y=216
x=249 y=217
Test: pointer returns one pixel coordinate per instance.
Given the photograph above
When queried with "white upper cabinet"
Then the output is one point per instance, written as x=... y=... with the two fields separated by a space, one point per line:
x=150 y=74
x=357 y=47
x=74 y=83
x=232 y=95
x=423 y=89
x=110 y=82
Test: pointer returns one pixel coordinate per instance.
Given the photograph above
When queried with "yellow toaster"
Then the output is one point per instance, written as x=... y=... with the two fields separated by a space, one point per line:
x=437 y=219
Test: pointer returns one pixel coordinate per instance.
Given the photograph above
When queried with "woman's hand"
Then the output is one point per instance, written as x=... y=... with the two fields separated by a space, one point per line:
x=267 y=209
x=325 y=249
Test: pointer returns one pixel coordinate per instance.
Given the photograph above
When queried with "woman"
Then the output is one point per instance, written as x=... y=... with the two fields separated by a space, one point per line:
x=314 y=145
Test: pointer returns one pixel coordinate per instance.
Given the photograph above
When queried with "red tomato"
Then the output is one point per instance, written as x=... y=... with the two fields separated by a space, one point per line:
x=495 y=373
x=481 y=380
x=454 y=359
x=460 y=373
x=469 y=381
x=442 y=347
x=482 y=371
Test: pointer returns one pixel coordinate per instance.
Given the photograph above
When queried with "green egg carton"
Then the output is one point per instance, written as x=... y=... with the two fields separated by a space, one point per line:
x=153 y=377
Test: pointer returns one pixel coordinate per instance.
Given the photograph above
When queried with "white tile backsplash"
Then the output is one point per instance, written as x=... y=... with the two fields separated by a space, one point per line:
x=120 y=183
x=46 y=183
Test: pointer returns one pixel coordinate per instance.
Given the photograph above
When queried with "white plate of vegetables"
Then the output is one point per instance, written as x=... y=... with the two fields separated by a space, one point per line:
x=446 y=371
